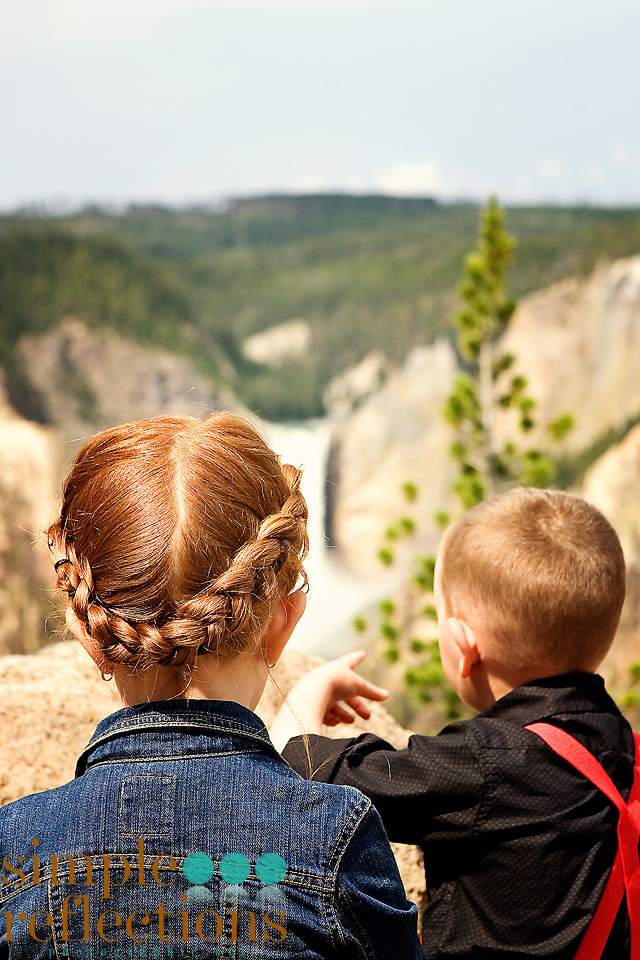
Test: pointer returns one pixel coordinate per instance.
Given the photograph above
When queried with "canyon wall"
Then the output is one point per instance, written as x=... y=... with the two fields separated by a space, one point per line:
x=579 y=343
x=382 y=438
x=31 y=458
x=613 y=485
x=83 y=379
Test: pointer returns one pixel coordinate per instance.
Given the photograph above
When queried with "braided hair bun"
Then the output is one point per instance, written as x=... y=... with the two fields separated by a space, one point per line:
x=176 y=536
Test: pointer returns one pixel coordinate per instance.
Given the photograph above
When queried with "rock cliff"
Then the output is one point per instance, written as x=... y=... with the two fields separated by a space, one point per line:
x=84 y=379
x=579 y=342
x=613 y=485
x=388 y=436
x=30 y=465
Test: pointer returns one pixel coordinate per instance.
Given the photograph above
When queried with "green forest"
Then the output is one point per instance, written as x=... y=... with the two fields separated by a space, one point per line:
x=364 y=272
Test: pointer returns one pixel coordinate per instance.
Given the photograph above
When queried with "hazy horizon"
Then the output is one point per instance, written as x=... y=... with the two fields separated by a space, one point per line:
x=182 y=102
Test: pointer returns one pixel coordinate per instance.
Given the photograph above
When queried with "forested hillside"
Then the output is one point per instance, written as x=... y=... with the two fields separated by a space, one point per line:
x=363 y=272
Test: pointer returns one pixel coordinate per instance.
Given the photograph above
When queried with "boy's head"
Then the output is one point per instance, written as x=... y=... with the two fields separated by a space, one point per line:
x=541 y=574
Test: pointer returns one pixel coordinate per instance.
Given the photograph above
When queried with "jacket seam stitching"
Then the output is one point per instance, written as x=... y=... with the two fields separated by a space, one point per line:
x=330 y=910
x=134 y=726
x=357 y=814
x=160 y=758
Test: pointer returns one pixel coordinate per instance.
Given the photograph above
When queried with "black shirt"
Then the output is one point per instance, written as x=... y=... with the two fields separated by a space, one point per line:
x=517 y=843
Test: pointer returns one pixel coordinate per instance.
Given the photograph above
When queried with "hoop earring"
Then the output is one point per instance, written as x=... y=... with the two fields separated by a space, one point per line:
x=106 y=676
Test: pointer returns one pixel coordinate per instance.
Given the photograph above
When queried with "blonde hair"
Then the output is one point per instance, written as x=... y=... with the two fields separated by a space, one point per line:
x=175 y=538
x=546 y=571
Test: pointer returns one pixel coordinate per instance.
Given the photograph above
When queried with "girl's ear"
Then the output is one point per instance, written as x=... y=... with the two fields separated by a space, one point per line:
x=466 y=644
x=91 y=646
x=76 y=627
x=284 y=619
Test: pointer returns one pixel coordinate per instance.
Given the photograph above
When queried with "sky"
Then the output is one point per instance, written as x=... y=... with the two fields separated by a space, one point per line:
x=191 y=101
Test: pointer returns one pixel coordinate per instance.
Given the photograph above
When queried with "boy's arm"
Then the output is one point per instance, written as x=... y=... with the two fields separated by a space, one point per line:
x=319 y=699
x=432 y=787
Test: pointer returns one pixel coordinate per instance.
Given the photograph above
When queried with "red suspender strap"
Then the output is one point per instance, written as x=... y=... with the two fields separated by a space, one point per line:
x=625 y=873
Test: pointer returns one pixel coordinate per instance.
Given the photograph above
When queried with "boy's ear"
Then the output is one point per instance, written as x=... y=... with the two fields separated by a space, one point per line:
x=465 y=640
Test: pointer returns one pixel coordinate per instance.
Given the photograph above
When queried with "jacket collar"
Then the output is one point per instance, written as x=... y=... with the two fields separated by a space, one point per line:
x=120 y=733
x=553 y=696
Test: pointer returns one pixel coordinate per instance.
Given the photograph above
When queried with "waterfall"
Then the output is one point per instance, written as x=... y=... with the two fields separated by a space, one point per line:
x=336 y=595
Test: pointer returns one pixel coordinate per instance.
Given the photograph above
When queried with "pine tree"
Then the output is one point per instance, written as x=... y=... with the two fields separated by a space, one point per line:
x=487 y=384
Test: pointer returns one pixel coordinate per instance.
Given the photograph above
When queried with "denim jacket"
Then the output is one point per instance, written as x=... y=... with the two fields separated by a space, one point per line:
x=185 y=834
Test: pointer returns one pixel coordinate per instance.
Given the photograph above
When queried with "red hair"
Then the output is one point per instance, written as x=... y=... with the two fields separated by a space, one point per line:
x=176 y=536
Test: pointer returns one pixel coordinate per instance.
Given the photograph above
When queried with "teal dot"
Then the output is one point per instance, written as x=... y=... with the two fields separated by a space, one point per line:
x=271 y=868
x=234 y=868
x=272 y=895
x=198 y=868
x=234 y=894
x=199 y=895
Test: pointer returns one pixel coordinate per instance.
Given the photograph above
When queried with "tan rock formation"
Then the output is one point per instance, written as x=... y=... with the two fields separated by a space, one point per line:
x=288 y=341
x=579 y=343
x=30 y=465
x=393 y=435
x=88 y=379
x=51 y=703
x=613 y=485
x=347 y=391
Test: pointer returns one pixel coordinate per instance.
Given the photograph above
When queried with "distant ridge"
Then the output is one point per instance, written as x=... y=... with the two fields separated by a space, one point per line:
x=364 y=272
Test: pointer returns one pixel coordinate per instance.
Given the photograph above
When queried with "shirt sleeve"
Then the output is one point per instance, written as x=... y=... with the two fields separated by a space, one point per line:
x=434 y=787
x=371 y=912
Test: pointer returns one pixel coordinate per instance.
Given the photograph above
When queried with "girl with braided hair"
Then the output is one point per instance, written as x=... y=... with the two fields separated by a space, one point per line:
x=179 y=547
